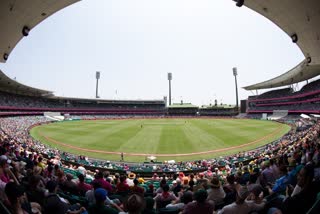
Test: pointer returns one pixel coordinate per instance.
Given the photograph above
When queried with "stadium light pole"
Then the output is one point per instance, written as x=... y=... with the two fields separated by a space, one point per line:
x=97 y=84
x=169 y=78
x=235 y=73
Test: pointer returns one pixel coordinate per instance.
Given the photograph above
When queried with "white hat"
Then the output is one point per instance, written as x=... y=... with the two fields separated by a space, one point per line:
x=5 y=158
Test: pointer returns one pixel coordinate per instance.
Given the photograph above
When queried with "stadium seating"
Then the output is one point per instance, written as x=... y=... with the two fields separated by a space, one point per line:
x=304 y=101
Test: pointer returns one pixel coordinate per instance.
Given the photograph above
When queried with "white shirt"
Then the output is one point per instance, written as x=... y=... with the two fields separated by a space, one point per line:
x=246 y=207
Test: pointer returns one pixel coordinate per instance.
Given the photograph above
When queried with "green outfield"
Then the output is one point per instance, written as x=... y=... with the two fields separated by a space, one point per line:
x=167 y=139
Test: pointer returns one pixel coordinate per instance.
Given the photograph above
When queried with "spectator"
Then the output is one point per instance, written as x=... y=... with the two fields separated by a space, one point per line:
x=302 y=201
x=82 y=187
x=135 y=204
x=241 y=205
x=104 y=184
x=164 y=198
x=99 y=207
x=18 y=200
x=57 y=205
x=136 y=189
x=122 y=187
x=149 y=206
x=186 y=198
x=216 y=193
x=200 y=205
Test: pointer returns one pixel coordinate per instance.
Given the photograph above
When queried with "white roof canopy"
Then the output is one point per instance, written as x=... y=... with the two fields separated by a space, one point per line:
x=300 y=20
x=17 y=14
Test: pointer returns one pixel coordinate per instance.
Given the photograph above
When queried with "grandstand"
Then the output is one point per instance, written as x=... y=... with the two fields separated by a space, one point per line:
x=23 y=100
x=280 y=177
x=304 y=101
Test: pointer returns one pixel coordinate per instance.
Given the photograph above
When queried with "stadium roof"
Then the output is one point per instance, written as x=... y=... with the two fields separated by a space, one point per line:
x=18 y=17
x=101 y=101
x=301 y=21
x=217 y=106
x=12 y=86
x=182 y=105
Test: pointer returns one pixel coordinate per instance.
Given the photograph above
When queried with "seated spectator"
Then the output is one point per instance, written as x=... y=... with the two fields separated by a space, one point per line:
x=104 y=184
x=200 y=205
x=202 y=179
x=136 y=189
x=192 y=181
x=185 y=183
x=130 y=179
x=122 y=187
x=230 y=189
x=186 y=198
x=155 y=177
x=150 y=191
x=99 y=207
x=162 y=183
x=149 y=206
x=302 y=201
x=177 y=188
x=245 y=176
x=5 y=172
x=55 y=204
x=70 y=186
x=48 y=173
x=18 y=200
x=140 y=179
x=135 y=204
x=216 y=192
x=40 y=163
x=106 y=175
x=241 y=205
x=266 y=177
x=36 y=189
x=281 y=183
x=275 y=168
x=82 y=186
x=91 y=199
x=164 y=198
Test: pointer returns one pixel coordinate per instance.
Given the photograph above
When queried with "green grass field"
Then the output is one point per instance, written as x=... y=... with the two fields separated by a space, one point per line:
x=159 y=137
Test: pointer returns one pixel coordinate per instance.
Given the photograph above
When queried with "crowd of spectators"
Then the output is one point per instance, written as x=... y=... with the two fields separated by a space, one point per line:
x=288 y=92
x=281 y=177
x=307 y=99
x=22 y=101
x=312 y=86
x=284 y=92
x=295 y=107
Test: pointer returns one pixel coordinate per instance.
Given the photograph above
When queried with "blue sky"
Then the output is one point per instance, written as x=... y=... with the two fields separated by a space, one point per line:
x=135 y=43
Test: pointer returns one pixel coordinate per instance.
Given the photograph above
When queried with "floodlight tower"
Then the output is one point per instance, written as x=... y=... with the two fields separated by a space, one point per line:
x=97 y=84
x=235 y=73
x=169 y=78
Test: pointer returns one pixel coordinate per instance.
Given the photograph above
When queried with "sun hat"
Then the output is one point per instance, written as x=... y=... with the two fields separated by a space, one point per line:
x=4 y=158
x=132 y=175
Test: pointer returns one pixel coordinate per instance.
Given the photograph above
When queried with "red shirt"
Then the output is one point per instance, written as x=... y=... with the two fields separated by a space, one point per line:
x=122 y=187
x=5 y=178
x=84 y=187
x=137 y=189
x=104 y=184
